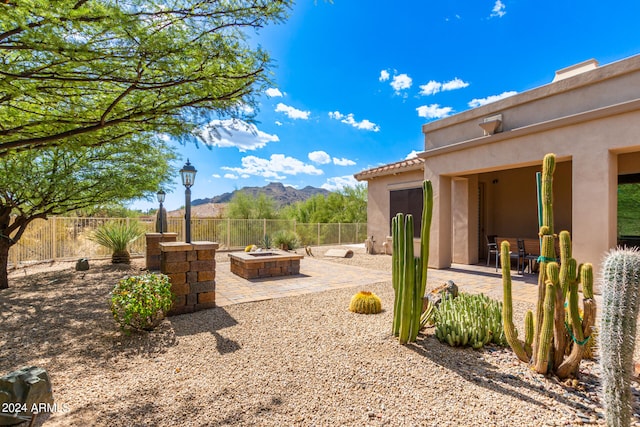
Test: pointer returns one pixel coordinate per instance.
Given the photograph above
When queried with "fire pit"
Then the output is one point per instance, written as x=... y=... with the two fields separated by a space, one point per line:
x=256 y=265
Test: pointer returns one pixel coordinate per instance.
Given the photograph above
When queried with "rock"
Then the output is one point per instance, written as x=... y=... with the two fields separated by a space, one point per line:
x=435 y=296
x=339 y=253
x=82 y=264
x=26 y=388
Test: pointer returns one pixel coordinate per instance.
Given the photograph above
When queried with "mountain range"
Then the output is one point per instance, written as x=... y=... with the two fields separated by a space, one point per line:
x=276 y=190
x=283 y=196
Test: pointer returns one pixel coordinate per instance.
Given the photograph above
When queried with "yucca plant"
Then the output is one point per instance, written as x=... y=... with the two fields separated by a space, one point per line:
x=286 y=239
x=117 y=236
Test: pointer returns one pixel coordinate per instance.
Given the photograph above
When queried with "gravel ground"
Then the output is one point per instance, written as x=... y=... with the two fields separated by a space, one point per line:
x=303 y=360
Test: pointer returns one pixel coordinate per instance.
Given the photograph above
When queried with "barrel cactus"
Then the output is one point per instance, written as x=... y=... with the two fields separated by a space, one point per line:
x=365 y=302
x=617 y=332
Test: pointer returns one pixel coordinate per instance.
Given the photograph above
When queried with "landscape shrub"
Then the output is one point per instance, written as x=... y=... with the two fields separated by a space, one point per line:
x=286 y=239
x=141 y=302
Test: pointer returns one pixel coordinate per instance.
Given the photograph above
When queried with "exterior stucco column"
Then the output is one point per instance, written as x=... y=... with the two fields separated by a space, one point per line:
x=594 y=205
x=440 y=239
x=465 y=220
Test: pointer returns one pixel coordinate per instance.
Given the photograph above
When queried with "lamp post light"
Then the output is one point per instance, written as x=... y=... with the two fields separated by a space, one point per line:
x=160 y=195
x=188 y=174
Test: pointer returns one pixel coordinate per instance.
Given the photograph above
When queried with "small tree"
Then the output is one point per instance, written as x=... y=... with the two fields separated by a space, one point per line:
x=106 y=70
x=39 y=183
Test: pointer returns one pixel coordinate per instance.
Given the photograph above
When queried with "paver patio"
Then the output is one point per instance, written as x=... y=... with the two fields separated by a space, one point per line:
x=319 y=275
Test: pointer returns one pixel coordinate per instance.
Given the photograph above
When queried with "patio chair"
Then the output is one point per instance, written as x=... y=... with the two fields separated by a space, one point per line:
x=492 y=247
x=528 y=259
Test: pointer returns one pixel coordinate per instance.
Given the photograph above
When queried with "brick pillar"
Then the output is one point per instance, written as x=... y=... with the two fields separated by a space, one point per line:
x=191 y=268
x=152 y=254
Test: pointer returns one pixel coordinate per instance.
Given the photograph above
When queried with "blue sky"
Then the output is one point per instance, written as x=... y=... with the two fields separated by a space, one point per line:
x=354 y=81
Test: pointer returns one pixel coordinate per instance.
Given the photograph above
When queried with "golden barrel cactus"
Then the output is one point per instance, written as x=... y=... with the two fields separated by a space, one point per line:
x=365 y=302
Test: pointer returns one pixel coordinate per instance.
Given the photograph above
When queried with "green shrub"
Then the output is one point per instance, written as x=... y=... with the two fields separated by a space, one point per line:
x=469 y=320
x=286 y=239
x=141 y=302
x=116 y=236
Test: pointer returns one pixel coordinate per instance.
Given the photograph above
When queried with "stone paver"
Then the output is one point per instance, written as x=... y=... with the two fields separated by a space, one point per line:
x=318 y=275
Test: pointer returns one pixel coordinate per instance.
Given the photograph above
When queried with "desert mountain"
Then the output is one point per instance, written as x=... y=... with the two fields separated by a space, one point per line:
x=281 y=194
x=214 y=206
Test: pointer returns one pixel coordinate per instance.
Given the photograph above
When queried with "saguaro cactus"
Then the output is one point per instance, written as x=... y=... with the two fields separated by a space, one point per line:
x=621 y=303
x=557 y=283
x=410 y=272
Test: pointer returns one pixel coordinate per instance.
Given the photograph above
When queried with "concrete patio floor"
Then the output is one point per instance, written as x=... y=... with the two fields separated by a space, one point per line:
x=320 y=275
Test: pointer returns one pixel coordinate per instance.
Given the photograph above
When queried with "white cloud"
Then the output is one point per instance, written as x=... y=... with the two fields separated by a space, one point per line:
x=230 y=176
x=433 y=111
x=430 y=88
x=291 y=112
x=400 y=82
x=454 y=84
x=343 y=162
x=235 y=133
x=276 y=167
x=339 y=182
x=349 y=120
x=384 y=76
x=498 y=9
x=273 y=92
x=434 y=87
x=215 y=175
x=477 y=102
x=319 y=157
x=278 y=123
x=412 y=155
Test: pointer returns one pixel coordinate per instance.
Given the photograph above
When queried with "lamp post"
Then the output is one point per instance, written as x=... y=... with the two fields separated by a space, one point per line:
x=188 y=174
x=160 y=195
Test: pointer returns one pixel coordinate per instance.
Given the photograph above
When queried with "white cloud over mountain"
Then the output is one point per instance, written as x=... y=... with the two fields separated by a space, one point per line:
x=433 y=111
x=292 y=112
x=477 y=102
x=276 y=167
x=235 y=133
x=339 y=182
x=319 y=157
x=351 y=121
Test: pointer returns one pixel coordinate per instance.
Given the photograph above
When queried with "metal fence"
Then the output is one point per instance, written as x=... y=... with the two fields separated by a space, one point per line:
x=59 y=238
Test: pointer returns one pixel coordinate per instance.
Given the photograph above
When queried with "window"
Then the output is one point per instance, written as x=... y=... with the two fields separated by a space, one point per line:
x=409 y=201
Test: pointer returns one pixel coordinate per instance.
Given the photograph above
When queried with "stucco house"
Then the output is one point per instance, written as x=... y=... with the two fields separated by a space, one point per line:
x=482 y=163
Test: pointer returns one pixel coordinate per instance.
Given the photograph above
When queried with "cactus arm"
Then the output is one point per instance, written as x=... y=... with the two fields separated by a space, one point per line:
x=567 y=275
x=559 y=329
x=528 y=333
x=408 y=292
x=425 y=232
x=547 y=253
x=416 y=307
x=618 y=324
x=548 y=167
x=507 y=307
x=546 y=331
x=398 y=248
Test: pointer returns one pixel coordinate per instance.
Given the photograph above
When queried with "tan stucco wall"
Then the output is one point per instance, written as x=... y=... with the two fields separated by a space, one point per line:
x=608 y=85
x=592 y=148
x=378 y=209
x=591 y=121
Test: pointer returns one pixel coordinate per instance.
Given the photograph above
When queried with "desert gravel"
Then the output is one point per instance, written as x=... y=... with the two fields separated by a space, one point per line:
x=297 y=361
